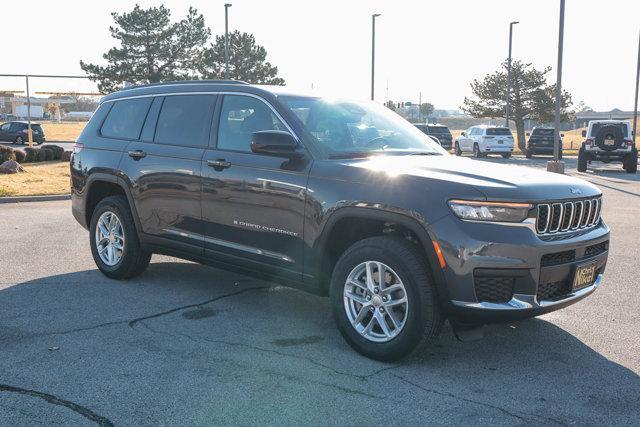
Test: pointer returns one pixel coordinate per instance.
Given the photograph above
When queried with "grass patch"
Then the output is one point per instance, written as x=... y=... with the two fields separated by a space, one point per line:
x=38 y=179
x=62 y=131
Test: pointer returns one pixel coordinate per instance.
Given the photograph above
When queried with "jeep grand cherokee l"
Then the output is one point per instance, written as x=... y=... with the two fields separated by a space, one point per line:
x=341 y=198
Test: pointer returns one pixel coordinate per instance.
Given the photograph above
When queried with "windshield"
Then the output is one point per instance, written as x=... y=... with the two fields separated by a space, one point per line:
x=358 y=128
x=498 y=131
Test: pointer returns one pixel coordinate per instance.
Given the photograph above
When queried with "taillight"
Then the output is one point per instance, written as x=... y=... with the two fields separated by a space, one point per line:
x=589 y=141
x=77 y=147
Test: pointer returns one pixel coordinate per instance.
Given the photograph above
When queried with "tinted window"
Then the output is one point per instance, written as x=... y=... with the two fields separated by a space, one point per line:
x=5 y=127
x=542 y=132
x=125 y=118
x=499 y=131
x=240 y=117
x=439 y=130
x=184 y=120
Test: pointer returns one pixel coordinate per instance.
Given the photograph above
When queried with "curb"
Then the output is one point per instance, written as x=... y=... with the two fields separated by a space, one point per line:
x=22 y=199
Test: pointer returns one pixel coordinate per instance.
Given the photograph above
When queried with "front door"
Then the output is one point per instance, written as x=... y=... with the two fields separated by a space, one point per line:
x=253 y=205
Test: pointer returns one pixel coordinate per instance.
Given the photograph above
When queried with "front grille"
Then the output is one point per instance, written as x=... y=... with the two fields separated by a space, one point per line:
x=597 y=249
x=494 y=289
x=557 y=258
x=568 y=216
x=553 y=290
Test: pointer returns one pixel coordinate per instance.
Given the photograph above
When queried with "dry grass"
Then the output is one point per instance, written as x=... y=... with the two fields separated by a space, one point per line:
x=38 y=179
x=62 y=131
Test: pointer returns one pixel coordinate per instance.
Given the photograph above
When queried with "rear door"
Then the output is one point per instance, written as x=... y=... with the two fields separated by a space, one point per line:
x=4 y=131
x=253 y=205
x=163 y=170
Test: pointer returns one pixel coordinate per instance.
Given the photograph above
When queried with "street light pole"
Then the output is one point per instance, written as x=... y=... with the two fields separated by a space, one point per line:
x=511 y=24
x=635 y=105
x=29 y=134
x=556 y=165
x=226 y=40
x=373 y=52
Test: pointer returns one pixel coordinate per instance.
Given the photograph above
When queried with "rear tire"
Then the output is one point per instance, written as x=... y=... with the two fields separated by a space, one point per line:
x=131 y=259
x=476 y=151
x=420 y=323
x=506 y=155
x=582 y=160
x=527 y=154
x=630 y=164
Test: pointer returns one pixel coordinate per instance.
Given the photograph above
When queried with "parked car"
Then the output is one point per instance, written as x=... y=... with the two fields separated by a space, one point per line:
x=483 y=140
x=540 y=141
x=607 y=141
x=340 y=198
x=17 y=132
x=440 y=132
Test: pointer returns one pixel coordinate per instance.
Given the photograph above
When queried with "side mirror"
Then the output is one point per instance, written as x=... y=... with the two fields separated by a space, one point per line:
x=463 y=134
x=584 y=133
x=274 y=143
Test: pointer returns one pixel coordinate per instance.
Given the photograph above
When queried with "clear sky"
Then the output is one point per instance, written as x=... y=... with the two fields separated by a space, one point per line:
x=433 y=47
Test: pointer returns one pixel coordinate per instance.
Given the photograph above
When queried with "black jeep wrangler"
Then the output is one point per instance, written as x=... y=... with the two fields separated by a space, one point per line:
x=341 y=198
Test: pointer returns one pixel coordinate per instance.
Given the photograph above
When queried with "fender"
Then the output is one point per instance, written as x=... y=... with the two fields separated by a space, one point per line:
x=120 y=182
x=414 y=222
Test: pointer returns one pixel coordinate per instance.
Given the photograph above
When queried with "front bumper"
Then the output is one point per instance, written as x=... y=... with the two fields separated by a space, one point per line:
x=513 y=254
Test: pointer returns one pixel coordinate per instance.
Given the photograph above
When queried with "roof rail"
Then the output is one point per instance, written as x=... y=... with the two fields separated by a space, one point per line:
x=178 y=82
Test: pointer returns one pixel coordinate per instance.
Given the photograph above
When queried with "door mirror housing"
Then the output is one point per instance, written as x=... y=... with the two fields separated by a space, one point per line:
x=463 y=134
x=275 y=143
x=584 y=133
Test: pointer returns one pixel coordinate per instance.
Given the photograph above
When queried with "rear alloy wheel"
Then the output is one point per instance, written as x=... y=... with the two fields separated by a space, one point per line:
x=19 y=140
x=457 y=150
x=114 y=242
x=476 y=151
x=383 y=298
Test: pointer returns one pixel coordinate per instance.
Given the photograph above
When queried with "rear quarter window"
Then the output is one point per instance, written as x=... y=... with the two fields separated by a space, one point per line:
x=125 y=119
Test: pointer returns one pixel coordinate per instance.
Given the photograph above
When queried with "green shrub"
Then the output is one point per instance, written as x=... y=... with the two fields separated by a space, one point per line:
x=20 y=156
x=32 y=154
x=41 y=155
x=48 y=153
x=66 y=156
x=6 y=153
x=57 y=151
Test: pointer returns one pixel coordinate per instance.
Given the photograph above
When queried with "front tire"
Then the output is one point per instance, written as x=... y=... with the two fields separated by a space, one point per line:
x=528 y=154
x=384 y=320
x=458 y=150
x=476 y=151
x=114 y=242
x=582 y=160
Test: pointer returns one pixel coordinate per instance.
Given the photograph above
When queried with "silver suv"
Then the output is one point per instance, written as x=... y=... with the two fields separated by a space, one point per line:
x=608 y=140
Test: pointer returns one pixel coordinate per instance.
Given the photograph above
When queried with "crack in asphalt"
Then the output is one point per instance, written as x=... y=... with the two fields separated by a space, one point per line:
x=81 y=410
x=271 y=351
x=477 y=402
x=133 y=322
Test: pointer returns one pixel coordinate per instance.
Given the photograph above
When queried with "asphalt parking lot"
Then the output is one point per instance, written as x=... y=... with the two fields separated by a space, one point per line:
x=188 y=344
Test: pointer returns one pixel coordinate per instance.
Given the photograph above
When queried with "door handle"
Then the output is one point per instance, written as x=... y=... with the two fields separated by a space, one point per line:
x=219 y=164
x=137 y=154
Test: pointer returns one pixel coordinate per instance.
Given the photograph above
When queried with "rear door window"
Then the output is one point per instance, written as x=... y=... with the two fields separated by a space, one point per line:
x=126 y=118
x=185 y=120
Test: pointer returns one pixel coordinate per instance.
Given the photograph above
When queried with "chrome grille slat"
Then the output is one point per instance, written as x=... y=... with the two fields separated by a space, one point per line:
x=560 y=217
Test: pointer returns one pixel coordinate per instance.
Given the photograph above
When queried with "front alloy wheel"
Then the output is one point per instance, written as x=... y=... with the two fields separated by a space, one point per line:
x=375 y=301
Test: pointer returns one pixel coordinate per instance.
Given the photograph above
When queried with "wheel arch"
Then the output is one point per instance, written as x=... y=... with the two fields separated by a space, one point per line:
x=101 y=185
x=356 y=220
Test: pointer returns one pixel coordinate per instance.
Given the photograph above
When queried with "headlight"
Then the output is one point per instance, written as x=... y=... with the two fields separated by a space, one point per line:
x=490 y=211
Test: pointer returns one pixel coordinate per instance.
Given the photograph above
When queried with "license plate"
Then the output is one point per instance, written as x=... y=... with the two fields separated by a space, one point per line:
x=585 y=275
x=499 y=141
x=609 y=141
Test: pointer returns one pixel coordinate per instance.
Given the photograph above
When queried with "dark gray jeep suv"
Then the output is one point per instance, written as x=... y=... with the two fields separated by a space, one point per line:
x=341 y=198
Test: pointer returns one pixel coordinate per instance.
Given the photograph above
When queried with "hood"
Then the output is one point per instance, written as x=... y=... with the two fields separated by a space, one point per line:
x=494 y=180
